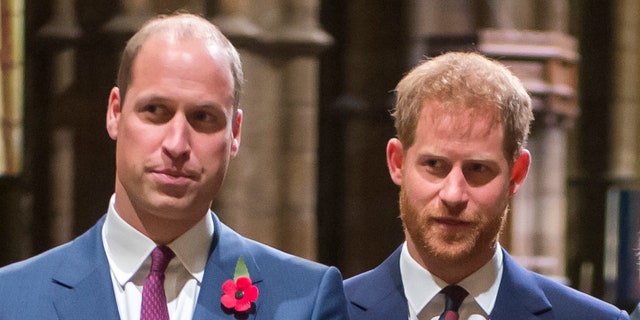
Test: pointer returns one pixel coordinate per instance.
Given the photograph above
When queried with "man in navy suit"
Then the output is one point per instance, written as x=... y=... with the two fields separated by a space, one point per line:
x=175 y=119
x=462 y=121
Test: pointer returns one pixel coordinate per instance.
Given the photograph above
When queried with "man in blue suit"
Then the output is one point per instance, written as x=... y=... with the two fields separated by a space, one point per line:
x=176 y=124
x=462 y=121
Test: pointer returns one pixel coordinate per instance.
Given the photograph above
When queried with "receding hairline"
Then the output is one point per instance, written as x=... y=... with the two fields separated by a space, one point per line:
x=181 y=26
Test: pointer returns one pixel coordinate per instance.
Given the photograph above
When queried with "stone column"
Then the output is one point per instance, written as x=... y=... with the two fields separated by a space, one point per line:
x=620 y=270
x=438 y=18
x=624 y=158
x=270 y=192
x=302 y=88
x=11 y=90
x=61 y=34
x=15 y=205
x=131 y=17
x=505 y=14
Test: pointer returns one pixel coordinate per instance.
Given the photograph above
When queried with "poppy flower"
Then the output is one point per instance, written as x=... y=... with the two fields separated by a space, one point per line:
x=239 y=294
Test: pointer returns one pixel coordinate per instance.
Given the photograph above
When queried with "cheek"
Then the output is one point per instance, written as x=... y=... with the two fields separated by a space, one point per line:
x=133 y=143
x=131 y=154
x=494 y=194
x=132 y=132
x=136 y=145
x=418 y=191
x=211 y=152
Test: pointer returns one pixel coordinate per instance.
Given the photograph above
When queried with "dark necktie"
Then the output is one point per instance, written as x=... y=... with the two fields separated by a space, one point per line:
x=454 y=295
x=154 y=301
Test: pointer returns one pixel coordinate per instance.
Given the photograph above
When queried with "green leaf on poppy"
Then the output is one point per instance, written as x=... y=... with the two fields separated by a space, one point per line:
x=241 y=269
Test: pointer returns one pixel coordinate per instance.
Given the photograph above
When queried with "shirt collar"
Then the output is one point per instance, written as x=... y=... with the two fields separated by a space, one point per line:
x=420 y=286
x=127 y=249
x=483 y=284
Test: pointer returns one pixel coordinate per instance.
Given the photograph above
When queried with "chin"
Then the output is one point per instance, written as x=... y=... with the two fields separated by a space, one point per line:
x=446 y=248
x=451 y=252
x=168 y=202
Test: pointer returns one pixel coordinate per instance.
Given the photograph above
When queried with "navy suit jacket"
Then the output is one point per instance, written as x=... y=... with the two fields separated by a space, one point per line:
x=635 y=314
x=379 y=294
x=73 y=282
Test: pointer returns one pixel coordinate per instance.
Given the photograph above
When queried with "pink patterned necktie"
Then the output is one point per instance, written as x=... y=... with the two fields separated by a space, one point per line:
x=154 y=301
x=454 y=295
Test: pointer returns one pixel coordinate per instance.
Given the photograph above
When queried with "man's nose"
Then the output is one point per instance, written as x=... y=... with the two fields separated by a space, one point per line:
x=177 y=141
x=454 y=187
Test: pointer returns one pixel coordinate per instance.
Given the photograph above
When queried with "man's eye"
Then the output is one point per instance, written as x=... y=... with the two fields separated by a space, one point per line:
x=432 y=163
x=205 y=116
x=155 y=113
x=206 y=120
x=436 y=167
x=151 y=108
x=477 y=167
x=478 y=174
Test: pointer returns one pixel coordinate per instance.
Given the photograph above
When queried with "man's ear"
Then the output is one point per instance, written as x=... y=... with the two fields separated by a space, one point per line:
x=395 y=159
x=519 y=171
x=113 y=113
x=236 y=131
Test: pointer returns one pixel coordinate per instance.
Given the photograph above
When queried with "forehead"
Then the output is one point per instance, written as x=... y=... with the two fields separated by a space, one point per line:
x=461 y=119
x=458 y=134
x=188 y=63
x=165 y=48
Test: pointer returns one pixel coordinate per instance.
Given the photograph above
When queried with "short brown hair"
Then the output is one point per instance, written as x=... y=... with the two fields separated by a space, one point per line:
x=467 y=80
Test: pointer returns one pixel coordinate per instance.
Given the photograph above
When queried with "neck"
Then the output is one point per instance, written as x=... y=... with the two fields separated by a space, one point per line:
x=451 y=270
x=162 y=228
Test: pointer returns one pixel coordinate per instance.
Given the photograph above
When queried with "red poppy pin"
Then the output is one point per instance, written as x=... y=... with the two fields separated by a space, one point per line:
x=239 y=293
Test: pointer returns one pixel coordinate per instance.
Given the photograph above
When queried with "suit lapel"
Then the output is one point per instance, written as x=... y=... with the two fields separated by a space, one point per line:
x=83 y=288
x=519 y=296
x=226 y=247
x=83 y=279
x=382 y=294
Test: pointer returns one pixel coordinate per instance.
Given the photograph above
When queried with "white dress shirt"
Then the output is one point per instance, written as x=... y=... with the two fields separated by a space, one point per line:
x=128 y=252
x=421 y=289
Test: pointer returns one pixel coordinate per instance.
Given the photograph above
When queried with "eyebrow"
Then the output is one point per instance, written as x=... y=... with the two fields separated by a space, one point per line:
x=154 y=98
x=480 y=157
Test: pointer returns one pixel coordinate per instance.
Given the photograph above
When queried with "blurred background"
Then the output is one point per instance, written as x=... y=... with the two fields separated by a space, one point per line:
x=311 y=177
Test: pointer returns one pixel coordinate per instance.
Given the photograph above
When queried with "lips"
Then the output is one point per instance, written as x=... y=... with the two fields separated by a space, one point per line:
x=176 y=173
x=451 y=222
x=174 y=177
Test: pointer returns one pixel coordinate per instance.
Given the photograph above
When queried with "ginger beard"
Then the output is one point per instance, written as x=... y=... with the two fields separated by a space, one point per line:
x=447 y=247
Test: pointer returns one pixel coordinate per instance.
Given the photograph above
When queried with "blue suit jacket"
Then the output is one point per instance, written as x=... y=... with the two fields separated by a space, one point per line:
x=379 y=294
x=73 y=282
